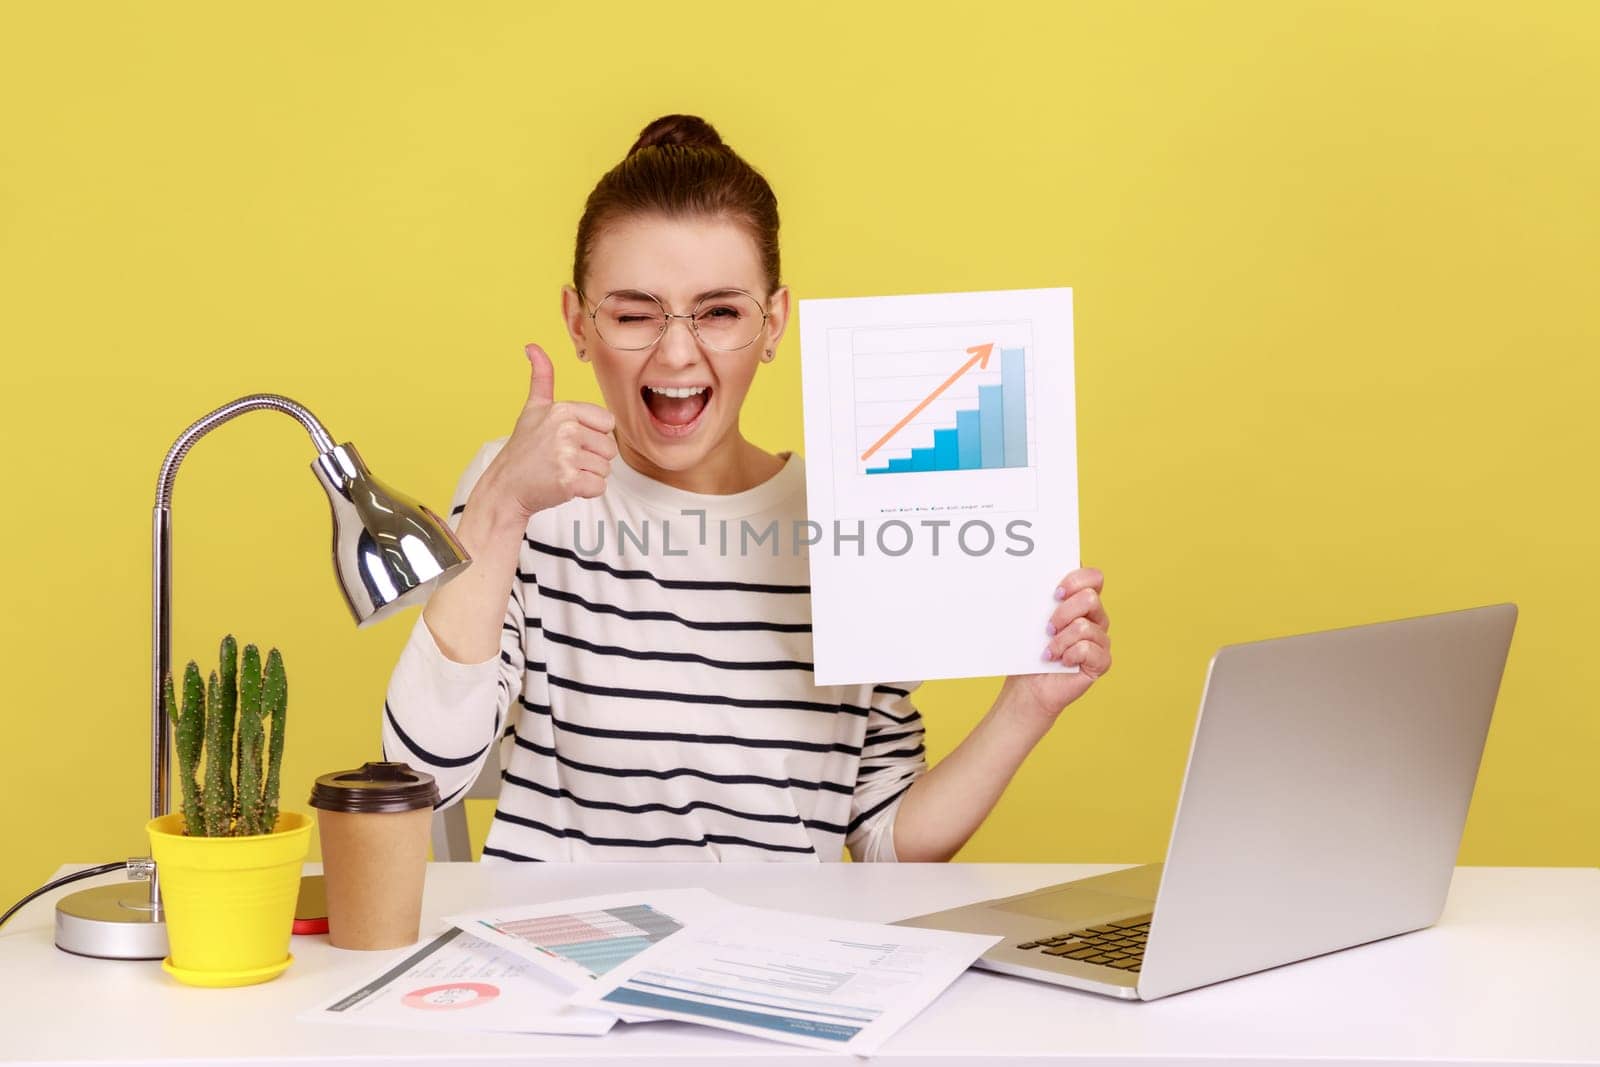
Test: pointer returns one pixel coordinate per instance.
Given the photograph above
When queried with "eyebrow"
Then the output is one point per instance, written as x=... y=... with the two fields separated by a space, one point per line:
x=721 y=290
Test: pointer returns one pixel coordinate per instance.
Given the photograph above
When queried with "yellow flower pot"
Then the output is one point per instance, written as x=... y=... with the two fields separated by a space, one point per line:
x=229 y=901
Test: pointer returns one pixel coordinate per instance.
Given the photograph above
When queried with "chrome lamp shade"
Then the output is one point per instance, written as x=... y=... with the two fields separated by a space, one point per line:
x=388 y=549
x=389 y=552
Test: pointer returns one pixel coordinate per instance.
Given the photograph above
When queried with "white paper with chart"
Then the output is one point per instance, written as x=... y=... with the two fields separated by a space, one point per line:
x=460 y=983
x=801 y=979
x=942 y=479
x=580 y=940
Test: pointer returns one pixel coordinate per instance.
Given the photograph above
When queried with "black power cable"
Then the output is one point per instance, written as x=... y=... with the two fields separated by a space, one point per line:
x=66 y=879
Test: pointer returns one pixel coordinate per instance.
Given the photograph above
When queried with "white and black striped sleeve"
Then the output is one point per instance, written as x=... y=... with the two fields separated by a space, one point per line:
x=892 y=757
x=442 y=716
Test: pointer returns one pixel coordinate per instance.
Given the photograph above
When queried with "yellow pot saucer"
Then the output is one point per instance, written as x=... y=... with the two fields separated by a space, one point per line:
x=223 y=979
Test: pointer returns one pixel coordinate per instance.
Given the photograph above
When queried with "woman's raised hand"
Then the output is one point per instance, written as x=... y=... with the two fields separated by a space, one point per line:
x=1077 y=637
x=557 y=450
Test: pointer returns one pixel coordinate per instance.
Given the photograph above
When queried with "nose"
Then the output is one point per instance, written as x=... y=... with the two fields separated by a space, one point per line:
x=678 y=347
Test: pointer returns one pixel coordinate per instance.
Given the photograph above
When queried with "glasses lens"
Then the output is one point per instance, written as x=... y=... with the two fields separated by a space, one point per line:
x=730 y=321
x=629 y=321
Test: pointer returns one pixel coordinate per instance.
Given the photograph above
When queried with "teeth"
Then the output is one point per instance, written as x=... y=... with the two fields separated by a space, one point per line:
x=679 y=391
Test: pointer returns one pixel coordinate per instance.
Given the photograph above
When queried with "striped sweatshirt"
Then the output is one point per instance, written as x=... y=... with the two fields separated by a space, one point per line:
x=653 y=697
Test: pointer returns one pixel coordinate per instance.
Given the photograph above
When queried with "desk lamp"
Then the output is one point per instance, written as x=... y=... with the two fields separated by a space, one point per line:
x=388 y=552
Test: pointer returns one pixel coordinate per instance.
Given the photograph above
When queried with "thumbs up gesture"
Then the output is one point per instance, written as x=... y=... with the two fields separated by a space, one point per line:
x=557 y=450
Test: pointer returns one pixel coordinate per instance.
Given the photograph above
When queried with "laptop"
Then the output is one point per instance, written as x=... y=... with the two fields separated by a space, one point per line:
x=1323 y=805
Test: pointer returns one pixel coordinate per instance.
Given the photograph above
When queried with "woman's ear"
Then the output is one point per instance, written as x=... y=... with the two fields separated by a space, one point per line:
x=576 y=319
x=777 y=316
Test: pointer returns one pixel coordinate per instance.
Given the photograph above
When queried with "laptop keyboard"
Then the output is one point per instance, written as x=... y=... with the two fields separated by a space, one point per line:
x=1117 y=944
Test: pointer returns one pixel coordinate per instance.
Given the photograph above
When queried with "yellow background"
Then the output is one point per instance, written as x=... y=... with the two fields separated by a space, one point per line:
x=1335 y=269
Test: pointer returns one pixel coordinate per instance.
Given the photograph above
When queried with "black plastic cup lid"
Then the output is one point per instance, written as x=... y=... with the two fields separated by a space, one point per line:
x=375 y=787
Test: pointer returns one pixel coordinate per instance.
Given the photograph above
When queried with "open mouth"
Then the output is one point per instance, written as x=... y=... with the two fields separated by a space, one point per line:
x=675 y=410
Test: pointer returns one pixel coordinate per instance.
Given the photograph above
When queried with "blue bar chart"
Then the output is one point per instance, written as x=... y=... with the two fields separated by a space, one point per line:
x=991 y=434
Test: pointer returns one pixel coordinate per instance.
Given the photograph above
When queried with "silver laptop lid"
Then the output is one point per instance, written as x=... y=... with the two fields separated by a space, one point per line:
x=1326 y=793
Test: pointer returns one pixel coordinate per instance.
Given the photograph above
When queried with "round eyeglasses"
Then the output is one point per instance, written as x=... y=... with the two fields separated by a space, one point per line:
x=630 y=320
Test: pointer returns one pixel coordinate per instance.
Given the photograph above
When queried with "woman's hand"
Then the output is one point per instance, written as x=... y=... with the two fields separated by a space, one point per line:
x=1076 y=635
x=556 y=451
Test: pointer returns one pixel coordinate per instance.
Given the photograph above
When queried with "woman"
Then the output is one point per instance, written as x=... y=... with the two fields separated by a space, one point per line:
x=652 y=696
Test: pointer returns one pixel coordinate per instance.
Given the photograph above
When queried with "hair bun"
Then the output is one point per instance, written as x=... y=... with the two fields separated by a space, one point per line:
x=677 y=129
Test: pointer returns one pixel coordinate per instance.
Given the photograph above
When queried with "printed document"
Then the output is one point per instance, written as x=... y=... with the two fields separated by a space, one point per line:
x=579 y=940
x=941 y=481
x=801 y=979
x=458 y=982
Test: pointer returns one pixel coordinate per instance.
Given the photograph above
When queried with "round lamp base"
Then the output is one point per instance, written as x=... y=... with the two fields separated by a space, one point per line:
x=112 y=922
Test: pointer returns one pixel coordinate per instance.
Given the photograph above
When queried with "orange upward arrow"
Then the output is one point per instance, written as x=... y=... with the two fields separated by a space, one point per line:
x=980 y=359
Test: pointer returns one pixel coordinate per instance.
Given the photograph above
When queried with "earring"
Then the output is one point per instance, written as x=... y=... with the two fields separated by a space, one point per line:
x=768 y=357
x=581 y=357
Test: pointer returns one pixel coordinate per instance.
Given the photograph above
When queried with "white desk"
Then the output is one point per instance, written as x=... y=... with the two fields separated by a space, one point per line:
x=1510 y=975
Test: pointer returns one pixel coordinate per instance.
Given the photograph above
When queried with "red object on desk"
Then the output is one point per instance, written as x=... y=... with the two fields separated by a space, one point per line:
x=311 y=908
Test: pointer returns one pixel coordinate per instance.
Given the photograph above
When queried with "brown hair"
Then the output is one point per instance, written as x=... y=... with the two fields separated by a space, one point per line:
x=679 y=168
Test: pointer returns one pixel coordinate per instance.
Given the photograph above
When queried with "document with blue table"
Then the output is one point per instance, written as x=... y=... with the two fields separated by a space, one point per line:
x=579 y=940
x=688 y=954
x=802 y=979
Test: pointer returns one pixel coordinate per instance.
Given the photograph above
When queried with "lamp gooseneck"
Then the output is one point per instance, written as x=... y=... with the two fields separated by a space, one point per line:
x=161 y=592
x=205 y=424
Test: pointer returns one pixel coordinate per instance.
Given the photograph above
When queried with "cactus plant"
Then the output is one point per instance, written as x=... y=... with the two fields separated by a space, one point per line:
x=237 y=722
x=190 y=735
x=228 y=656
x=250 y=741
x=275 y=705
x=216 y=808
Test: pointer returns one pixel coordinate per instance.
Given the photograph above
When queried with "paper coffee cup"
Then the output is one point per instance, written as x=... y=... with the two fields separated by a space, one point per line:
x=374 y=824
